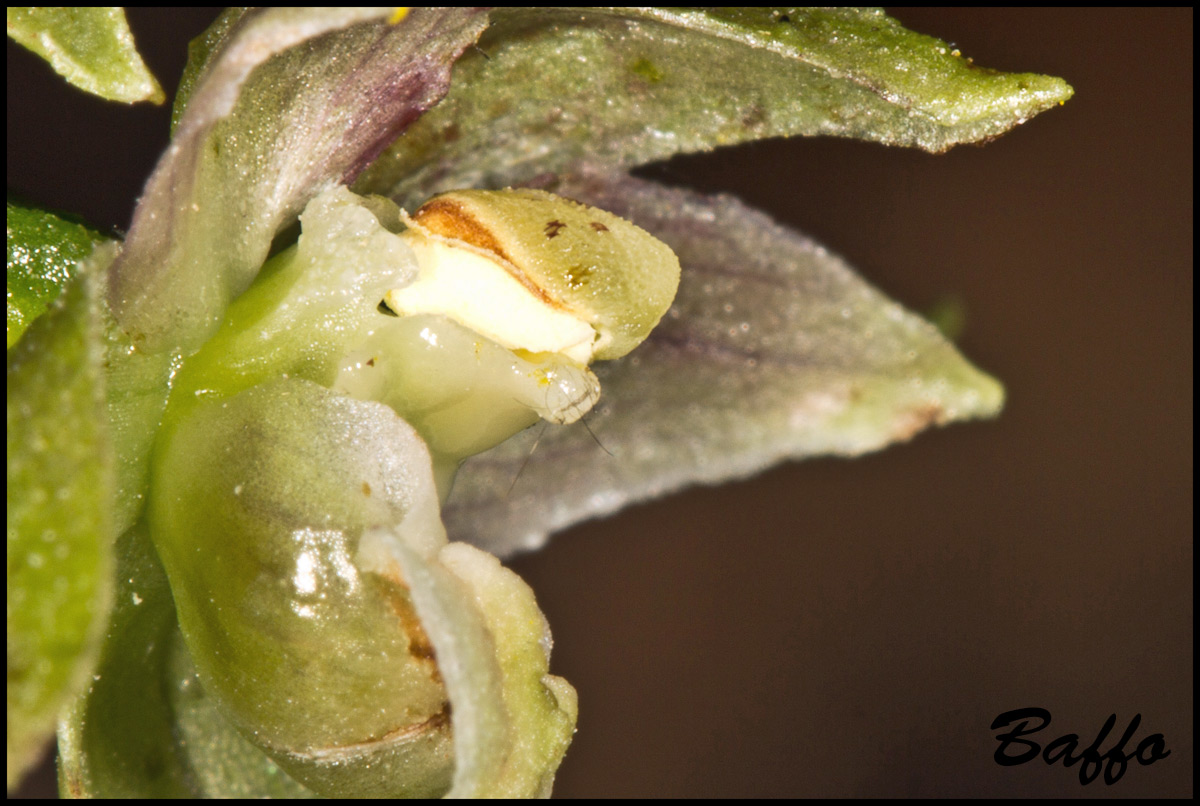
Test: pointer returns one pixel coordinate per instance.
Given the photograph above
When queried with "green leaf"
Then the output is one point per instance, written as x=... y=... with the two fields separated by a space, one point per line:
x=548 y=88
x=91 y=47
x=773 y=350
x=60 y=487
x=43 y=250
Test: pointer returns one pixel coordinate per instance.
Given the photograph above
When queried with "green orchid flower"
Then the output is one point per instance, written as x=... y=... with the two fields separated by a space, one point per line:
x=259 y=474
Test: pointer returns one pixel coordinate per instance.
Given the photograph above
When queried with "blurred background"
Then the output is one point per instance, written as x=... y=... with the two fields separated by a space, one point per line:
x=852 y=628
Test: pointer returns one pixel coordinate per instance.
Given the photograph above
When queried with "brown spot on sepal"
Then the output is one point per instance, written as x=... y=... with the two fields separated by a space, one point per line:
x=554 y=227
x=598 y=227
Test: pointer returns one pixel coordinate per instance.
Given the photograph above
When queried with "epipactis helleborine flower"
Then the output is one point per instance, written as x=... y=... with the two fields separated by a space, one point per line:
x=287 y=414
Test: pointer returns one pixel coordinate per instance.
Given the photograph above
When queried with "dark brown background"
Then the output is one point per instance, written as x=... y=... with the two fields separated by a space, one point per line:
x=852 y=627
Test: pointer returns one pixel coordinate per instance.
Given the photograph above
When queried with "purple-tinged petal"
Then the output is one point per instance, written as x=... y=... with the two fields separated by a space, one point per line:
x=773 y=350
x=294 y=100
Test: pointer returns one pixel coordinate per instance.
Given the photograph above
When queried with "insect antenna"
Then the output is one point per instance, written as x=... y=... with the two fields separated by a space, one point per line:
x=528 y=456
x=576 y=405
x=596 y=438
